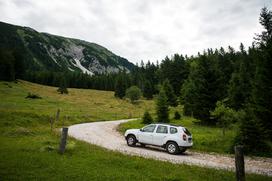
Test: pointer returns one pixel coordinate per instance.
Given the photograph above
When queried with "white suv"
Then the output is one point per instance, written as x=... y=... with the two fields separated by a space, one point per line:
x=174 y=139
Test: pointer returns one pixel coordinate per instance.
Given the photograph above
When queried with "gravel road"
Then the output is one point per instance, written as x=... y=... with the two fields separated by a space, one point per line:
x=104 y=134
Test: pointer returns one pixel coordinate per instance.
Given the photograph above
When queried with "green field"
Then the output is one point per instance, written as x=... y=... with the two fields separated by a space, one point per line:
x=28 y=148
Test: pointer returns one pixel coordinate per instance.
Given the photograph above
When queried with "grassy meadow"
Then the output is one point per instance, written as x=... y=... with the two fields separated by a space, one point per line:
x=28 y=148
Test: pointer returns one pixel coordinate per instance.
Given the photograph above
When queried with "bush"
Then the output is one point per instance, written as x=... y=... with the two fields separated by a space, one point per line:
x=225 y=116
x=147 y=119
x=62 y=90
x=133 y=93
x=33 y=96
x=177 y=115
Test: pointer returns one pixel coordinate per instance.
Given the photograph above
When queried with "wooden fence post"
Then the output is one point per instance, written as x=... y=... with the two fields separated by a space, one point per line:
x=51 y=123
x=239 y=163
x=63 y=141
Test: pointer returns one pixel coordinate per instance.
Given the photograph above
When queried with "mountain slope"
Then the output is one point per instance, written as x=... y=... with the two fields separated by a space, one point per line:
x=46 y=52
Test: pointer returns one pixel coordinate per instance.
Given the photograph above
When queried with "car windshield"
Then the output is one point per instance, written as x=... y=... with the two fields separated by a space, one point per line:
x=149 y=128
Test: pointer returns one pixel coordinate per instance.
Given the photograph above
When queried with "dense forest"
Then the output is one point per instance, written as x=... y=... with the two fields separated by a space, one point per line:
x=237 y=80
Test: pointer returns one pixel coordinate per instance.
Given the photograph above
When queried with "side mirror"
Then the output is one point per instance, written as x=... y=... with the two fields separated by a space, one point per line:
x=141 y=130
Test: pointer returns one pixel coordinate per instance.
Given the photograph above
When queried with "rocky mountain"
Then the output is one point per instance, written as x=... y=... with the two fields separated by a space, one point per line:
x=46 y=52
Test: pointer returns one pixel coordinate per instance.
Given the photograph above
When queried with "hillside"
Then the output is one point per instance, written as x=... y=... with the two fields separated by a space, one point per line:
x=46 y=52
x=80 y=105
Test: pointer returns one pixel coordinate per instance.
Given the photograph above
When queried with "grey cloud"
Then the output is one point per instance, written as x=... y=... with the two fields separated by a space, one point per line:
x=140 y=29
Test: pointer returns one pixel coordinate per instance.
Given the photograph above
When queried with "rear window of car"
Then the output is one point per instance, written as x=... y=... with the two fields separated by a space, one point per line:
x=173 y=130
x=187 y=131
x=162 y=129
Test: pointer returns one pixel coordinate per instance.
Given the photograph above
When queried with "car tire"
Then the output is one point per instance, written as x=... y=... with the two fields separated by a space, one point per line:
x=131 y=140
x=172 y=148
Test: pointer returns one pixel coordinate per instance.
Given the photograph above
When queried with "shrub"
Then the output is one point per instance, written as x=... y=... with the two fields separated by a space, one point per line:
x=33 y=96
x=177 y=115
x=225 y=116
x=133 y=93
x=147 y=119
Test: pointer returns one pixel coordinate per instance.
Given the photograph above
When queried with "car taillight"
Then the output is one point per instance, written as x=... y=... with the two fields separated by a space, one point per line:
x=184 y=137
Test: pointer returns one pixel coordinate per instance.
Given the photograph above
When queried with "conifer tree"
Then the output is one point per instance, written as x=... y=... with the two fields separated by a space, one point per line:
x=63 y=86
x=199 y=92
x=162 y=109
x=255 y=129
x=240 y=83
x=120 y=87
x=261 y=99
x=147 y=119
x=147 y=90
x=171 y=97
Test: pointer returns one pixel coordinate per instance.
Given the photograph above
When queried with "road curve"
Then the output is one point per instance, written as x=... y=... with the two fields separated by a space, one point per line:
x=105 y=134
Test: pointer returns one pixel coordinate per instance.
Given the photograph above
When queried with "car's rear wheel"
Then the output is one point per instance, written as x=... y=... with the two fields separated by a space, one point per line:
x=172 y=148
x=131 y=140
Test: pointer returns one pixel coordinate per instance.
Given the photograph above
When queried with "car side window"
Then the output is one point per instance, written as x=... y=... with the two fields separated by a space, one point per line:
x=162 y=129
x=173 y=130
x=149 y=128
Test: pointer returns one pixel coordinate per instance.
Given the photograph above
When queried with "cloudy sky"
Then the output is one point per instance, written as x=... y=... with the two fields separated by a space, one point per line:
x=142 y=29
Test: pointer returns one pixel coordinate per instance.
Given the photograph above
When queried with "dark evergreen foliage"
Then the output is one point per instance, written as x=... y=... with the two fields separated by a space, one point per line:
x=147 y=118
x=148 y=90
x=177 y=115
x=171 y=97
x=162 y=108
x=63 y=86
x=200 y=91
x=255 y=130
x=122 y=83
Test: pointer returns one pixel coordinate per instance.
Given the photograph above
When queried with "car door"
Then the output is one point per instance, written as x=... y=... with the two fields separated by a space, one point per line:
x=146 y=134
x=160 y=134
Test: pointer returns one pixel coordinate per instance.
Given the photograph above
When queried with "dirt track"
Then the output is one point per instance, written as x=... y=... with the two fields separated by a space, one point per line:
x=104 y=134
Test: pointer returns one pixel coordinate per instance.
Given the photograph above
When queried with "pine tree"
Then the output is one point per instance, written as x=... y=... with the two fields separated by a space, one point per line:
x=261 y=100
x=240 y=83
x=177 y=115
x=147 y=119
x=162 y=107
x=171 y=97
x=199 y=92
x=120 y=86
x=147 y=90
x=251 y=135
x=63 y=86
x=255 y=130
